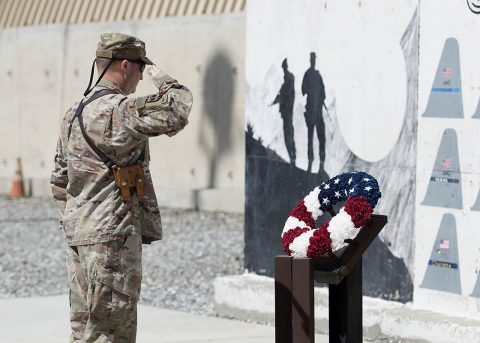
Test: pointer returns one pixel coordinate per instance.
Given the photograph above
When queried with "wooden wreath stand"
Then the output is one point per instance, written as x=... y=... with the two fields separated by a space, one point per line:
x=294 y=281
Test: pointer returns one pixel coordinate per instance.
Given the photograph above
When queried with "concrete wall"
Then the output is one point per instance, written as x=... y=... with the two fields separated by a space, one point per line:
x=45 y=69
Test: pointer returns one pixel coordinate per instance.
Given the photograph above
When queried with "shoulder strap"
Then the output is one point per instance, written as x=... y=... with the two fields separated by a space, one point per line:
x=84 y=103
x=78 y=114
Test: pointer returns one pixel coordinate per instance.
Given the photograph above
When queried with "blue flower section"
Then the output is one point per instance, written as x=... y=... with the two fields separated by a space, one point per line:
x=343 y=186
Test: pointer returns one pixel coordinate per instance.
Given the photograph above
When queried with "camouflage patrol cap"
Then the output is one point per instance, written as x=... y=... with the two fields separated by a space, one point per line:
x=122 y=46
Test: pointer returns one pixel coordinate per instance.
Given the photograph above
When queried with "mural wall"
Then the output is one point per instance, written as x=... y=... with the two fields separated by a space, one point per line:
x=333 y=87
x=326 y=97
x=447 y=254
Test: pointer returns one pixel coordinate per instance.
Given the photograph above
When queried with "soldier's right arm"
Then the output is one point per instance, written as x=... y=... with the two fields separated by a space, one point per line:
x=59 y=179
x=165 y=112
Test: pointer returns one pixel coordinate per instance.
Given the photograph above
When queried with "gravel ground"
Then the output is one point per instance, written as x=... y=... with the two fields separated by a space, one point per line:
x=178 y=272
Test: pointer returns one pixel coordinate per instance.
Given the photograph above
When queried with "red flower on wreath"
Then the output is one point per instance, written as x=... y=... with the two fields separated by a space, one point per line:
x=359 y=209
x=320 y=242
x=301 y=213
x=289 y=236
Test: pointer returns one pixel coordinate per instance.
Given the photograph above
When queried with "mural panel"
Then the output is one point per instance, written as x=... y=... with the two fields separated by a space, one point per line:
x=318 y=106
x=447 y=135
x=444 y=188
x=443 y=266
x=446 y=95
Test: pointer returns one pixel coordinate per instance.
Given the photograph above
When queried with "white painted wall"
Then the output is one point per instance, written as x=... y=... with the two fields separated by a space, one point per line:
x=440 y=20
x=365 y=63
x=45 y=69
x=359 y=56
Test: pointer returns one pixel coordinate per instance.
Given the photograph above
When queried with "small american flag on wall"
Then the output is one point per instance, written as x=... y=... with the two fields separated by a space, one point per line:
x=447 y=72
x=446 y=163
x=444 y=244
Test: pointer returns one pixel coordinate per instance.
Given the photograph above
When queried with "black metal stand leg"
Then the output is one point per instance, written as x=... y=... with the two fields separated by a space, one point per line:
x=345 y=308
x=283 y=299
x=303 y=320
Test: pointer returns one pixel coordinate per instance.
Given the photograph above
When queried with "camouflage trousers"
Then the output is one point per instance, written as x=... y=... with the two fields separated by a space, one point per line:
x=105 y=281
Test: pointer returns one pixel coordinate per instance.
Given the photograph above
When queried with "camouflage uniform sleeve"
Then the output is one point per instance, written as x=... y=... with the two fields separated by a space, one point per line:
x=165 y=112
x=59 y=180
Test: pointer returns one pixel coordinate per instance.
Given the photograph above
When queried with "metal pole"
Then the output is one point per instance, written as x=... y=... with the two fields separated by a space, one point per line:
x=345 y=308
x=303 y=320
x=283 y=299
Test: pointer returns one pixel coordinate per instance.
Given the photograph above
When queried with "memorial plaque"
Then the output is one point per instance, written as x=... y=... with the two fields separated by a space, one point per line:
x=446 y=94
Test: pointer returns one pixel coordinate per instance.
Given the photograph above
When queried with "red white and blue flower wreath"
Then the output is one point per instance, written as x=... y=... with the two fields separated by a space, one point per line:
x=360 y=192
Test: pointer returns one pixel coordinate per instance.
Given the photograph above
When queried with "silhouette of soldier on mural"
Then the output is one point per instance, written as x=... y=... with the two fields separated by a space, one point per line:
x=312 y=85
x=285 y=99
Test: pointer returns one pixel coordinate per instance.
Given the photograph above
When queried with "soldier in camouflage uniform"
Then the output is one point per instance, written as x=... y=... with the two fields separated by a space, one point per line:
x=104 y=232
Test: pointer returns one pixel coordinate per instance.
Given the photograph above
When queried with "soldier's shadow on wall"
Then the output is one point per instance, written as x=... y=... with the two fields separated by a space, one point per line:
x=216 y=127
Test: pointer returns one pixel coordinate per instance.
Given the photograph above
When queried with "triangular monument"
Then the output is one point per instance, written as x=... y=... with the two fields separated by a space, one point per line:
x=443 y=271
x=446 y=94
x=444 y=188
x=476 y=289
x=476 y=206
x=476 y=115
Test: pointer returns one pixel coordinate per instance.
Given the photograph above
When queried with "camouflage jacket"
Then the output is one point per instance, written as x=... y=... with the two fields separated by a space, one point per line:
x=91 y=207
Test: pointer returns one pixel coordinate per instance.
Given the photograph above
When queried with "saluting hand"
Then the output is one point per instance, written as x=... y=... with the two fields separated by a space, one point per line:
x=154 y=71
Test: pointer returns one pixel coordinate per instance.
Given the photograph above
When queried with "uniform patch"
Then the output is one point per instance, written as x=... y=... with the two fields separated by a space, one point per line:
x=132 y=110
x=140 y=102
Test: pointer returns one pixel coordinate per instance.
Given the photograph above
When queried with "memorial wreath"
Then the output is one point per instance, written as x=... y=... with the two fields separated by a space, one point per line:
x=360 y=192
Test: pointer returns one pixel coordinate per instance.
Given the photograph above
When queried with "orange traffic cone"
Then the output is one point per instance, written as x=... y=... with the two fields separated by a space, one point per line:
x=17 y=184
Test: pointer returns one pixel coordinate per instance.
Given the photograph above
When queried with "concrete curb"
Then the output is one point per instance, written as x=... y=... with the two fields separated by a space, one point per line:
x=251 y=297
